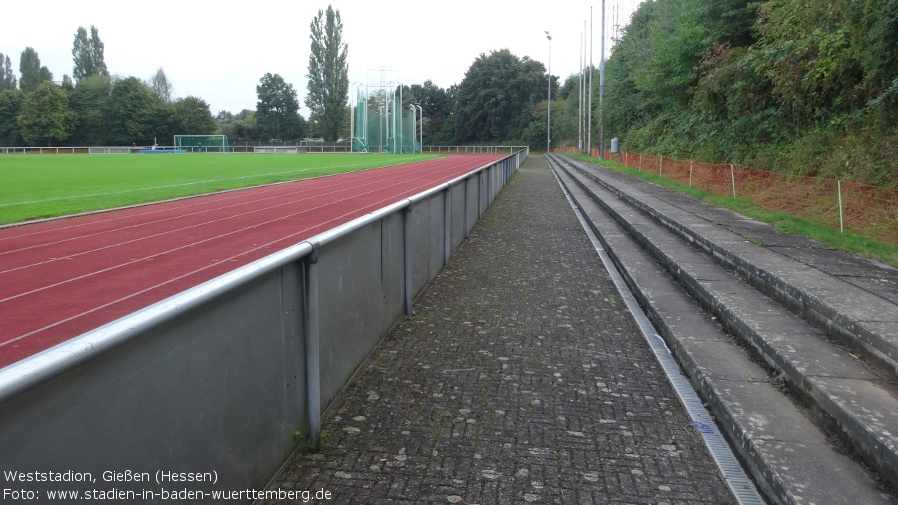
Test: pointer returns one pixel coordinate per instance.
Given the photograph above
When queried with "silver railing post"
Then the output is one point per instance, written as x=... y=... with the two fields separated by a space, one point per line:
x=465 y=207
x=447 y=225
x=407 y=257
x=313 y=362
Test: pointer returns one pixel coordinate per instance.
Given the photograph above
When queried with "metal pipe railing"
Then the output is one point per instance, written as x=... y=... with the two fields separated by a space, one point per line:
x=184 y=336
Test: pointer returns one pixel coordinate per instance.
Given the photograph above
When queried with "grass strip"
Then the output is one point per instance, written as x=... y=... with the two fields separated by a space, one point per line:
x=781 y=221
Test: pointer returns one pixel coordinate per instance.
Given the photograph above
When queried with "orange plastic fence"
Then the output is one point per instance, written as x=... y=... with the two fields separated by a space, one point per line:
x=868 y=211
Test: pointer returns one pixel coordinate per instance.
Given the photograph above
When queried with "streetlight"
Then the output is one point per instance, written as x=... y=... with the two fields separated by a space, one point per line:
x=602 y=89
x=549 y=101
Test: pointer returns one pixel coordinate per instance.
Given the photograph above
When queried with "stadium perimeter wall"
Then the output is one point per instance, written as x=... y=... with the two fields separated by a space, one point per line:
x=230 y=377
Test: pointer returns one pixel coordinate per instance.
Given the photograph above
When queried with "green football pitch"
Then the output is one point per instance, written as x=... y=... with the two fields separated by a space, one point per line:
x=40 y=186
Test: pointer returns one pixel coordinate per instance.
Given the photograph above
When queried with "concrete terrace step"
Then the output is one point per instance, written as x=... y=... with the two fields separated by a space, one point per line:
x=786 y=452
x=862 y=316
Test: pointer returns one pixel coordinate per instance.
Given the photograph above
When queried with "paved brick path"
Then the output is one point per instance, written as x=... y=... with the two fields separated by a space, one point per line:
x=521 y=378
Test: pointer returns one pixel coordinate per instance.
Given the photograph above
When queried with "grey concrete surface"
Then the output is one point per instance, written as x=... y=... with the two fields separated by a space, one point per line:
x=852 y=298
x=521 y=378
x=789 y=450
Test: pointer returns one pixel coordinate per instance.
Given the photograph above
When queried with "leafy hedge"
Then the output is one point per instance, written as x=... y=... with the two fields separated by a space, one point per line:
x=804 y=86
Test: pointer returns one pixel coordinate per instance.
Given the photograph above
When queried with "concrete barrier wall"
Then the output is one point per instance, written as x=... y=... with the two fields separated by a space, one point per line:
x=228 y=378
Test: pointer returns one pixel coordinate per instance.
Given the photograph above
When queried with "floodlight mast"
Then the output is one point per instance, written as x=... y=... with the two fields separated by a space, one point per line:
x=602 y=89
x=580 y=97
x=589 y=108
x=549 y=99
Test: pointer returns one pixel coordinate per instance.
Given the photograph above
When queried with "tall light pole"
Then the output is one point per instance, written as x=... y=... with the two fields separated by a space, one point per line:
x=580 y=95
x=602 y=89
x=589 y=109
x=549 y=101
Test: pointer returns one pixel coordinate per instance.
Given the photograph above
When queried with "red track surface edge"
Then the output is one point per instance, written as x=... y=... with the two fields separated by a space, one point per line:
x=62 y=278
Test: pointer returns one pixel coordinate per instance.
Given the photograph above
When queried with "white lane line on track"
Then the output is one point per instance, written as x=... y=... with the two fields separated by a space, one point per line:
x=225 y=195
x=377 y=204
x=276 y=191
x=76 y=316
x=241 y=202
x=209 y=239
x=219 y=196
x=193 y=183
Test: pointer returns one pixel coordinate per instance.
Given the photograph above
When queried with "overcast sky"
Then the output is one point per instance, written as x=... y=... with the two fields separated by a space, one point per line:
x=218 y=51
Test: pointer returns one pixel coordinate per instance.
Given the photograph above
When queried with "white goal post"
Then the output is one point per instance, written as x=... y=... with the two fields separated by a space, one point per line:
x=202 y=143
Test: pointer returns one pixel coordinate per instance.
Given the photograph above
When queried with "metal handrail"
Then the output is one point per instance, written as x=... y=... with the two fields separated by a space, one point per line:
x=40 y=367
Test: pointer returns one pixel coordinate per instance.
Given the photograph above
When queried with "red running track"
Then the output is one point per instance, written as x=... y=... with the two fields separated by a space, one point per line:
x=62 y=278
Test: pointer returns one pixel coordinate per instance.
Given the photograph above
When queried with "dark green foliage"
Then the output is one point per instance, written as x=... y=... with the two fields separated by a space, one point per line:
x=31 y=72
x=45 y=115
x=436 y=104
x=801 y=85
x=191 y=116
x=730 y=22
x=237 y=127
x=328 y=85
x=805 y=52
x=87 y=54
x=10 y=106
x=496 y=97
x=161 y=87
x=7 y=76
x=534 y=135
x=91 y=103
x=565 y=114
x=135 y=116
x=873 y=30
x=107 y=110
x=277 y=116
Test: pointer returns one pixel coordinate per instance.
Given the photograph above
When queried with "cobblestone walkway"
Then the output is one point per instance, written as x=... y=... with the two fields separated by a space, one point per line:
x=521 y=378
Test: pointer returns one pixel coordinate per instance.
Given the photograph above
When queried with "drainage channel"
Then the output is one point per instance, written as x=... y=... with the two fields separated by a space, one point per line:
x=740 y=485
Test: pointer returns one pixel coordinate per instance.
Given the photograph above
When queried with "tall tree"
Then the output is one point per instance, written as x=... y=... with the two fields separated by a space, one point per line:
x=134 y=111
x=277 y=111
x=7 y=77
x=874 y=36
x=45 y=116
x=10 y=106
x=496 y=96
x=238 y=126
x=91 y=103
x=31 y=71
x=191 y=116
x=161 y=86
x=87 y=54
x=224 y=117
x=328 y=87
